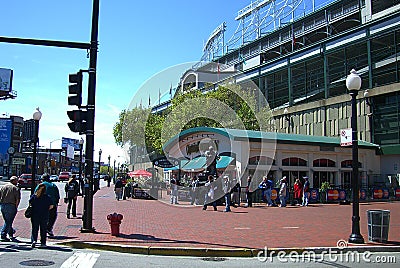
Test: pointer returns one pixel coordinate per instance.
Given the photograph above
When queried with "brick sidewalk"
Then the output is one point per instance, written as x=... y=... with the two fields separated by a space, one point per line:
x=154 y=223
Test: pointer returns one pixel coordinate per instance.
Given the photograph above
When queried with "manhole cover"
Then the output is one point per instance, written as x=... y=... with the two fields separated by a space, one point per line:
x=214 y=259
x=36 y=263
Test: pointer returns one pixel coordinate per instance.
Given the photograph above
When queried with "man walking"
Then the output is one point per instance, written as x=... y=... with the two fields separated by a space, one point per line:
x=71 y=193
x=306 y=192
x=10 y=197
x=52 y=191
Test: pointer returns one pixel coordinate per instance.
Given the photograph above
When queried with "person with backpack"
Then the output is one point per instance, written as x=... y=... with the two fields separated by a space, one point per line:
x=71 y=192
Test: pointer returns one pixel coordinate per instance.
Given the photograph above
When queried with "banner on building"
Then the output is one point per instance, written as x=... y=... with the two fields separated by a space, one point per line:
x=71 y=142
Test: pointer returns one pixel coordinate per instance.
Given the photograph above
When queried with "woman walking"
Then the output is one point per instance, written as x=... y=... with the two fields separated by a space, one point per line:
x=41 y=204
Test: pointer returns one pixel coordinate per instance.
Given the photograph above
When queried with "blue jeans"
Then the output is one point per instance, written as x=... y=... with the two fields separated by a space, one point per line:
x=268 y=194
x=306 y=196
x=9 y=211
x=283 y=200
x=228 y=202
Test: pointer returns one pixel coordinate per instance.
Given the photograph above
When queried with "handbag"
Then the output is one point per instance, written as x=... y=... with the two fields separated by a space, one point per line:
x=28 y=211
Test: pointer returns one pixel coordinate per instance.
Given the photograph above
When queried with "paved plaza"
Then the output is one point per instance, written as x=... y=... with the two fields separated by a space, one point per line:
x=159 y=225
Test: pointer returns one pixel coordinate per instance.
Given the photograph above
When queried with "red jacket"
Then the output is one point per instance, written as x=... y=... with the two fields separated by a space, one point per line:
x=298 y=190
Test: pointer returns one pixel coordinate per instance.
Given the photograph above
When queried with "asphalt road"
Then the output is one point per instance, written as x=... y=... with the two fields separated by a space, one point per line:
x=26 y=193
x=21 y=255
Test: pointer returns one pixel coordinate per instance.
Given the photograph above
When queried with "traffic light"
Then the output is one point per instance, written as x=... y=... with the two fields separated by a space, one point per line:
x=79 y=119
x=75 y=89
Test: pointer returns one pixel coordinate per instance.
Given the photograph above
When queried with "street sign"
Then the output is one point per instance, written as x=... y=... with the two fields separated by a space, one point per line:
x=346 y=137
x=165 y=162
x=18 y=161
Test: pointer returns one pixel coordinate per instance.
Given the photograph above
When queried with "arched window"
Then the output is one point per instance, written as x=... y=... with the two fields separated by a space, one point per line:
x=261 y=160
x=294 y=161
x=349 y=164
x=323 y=162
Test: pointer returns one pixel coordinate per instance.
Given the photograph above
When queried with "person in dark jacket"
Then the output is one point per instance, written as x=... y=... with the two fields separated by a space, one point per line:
x=71 y=193
x=41 y=204
x=118 y=188
x=53 y=192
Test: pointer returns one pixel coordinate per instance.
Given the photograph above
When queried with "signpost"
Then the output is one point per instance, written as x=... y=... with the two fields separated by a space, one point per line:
x=346 y=137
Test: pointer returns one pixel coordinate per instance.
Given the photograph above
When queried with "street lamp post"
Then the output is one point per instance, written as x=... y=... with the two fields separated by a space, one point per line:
x=37 y=115
x=108 y=171
x=115 y=160
x=353 y=84
x=81 y=141
x=100 y=152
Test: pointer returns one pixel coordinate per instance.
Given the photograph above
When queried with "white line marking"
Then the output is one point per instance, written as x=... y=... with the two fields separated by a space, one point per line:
x=80 y=259
x=290 y=227
x=242 y=228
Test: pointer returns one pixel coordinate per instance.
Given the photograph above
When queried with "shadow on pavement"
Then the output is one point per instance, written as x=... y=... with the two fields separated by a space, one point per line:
x=151 y=238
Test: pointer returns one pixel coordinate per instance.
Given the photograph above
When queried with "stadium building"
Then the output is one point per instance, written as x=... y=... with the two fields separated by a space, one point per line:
x=299 y=53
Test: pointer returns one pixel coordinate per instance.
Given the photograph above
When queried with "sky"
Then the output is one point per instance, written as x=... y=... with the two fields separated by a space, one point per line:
x=137 y=40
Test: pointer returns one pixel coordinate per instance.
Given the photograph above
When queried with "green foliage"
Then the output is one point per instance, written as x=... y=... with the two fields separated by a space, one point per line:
x=324 y=186
x=228 y=106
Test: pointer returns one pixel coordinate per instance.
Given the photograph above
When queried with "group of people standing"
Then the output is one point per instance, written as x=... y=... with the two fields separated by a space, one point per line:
x=43 y=206
x=301 y=191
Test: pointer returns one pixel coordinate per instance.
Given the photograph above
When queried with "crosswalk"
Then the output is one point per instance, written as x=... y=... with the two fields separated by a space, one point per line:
x=81 y=260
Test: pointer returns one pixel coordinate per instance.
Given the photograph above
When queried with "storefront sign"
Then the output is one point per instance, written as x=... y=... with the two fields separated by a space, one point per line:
x=274 y=193
x=314 y=195
x=380 y=193
x=18 y=161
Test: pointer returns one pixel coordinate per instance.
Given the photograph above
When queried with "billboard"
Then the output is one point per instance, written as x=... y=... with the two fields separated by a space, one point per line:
x=71 y=142
x=5 y=81
x=5 y=138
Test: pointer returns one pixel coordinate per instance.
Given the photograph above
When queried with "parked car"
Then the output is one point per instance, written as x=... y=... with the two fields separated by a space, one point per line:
x=64 y=176
x=54 y=178
x=25 y=181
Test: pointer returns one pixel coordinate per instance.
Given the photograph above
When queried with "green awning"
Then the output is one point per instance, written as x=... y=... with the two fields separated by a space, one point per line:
x=224 y=161
x=199 y=163
x=195 y=164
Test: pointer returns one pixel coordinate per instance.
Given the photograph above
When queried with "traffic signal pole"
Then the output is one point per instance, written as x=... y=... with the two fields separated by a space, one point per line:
x=93 y=45
x=88 y=204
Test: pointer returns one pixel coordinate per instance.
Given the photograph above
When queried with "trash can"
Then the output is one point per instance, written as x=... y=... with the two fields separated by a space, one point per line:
x=378 y=225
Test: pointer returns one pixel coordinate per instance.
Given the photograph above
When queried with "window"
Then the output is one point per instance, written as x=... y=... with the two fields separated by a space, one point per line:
x=294 y=161
x=323 y=162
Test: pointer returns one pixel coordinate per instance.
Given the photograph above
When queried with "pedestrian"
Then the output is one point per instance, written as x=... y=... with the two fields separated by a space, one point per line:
x=71 y=193
x=194 y=191
x=249 y=193
x=226 y=187
x=266 y=188
x=306 y=192
x=118 y=188
x=283 y=192
x=41 y=204
x=209 y=196
x=54 y=193
x=108 y=180
x=10 y=196
x=174 y=190
x=235 y=200
x=298 y=191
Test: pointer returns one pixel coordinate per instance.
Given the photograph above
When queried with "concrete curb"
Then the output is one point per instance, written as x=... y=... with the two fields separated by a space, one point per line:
x=221 y=252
